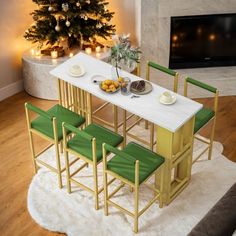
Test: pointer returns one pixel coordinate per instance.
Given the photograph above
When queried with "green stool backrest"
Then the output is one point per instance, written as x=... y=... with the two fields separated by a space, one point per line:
x=118 y=152
x=203 y=86
x=164 y=70
x=161 y=68
x=38 y=111
x=77 y=131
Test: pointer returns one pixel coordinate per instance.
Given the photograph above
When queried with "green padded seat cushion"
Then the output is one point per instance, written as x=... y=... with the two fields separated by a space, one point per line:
x=148 y=162
x=202 y=117
x=62 y=114
x=83 y=146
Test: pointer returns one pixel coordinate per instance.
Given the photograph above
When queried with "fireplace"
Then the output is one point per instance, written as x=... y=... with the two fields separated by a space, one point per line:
x=154 y=26
x=202 y=41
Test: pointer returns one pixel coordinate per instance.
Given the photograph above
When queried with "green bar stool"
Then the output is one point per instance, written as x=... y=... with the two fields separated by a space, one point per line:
x=87 y=146
x=174 y=75
x=133 y=166
x=48 y=125
x=204 y=116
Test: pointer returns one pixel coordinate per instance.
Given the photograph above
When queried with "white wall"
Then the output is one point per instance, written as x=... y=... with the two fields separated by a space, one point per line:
x=124 y=17
x=14 y=19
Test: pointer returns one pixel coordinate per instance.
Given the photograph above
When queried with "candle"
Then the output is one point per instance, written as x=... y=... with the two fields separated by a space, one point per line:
x=54 y=61
x=88 y=50
x=98 y=49
x=37 y=52
x=32 y=51
x=105 y=49
x=71 y=54
x=54 y=54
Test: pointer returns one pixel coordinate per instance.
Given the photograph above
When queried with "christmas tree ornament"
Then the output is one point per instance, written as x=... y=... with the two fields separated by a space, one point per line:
x=99 y=25
x=68 y=23
x=57 y=28
x=50 y=8
x=65 y=7
x=78 y=4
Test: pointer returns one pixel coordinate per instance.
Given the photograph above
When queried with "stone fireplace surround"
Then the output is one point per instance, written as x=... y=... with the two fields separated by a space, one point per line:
x=153 y=20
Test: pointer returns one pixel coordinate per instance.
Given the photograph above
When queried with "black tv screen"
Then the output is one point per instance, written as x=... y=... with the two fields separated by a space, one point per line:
x=203 y=41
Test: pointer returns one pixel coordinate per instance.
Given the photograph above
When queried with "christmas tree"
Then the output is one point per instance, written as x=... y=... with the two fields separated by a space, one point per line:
x=76 y=21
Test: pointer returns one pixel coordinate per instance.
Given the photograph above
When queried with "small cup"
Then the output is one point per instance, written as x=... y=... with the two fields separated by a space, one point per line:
x=166 y=97
x=75 y=69
x=125 y=90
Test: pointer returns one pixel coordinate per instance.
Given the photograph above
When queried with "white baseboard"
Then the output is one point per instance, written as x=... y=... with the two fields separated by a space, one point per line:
x=11 y=89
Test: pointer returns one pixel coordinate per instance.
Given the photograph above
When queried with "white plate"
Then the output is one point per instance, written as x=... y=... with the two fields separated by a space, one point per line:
x=82 y=72
x=168 y=103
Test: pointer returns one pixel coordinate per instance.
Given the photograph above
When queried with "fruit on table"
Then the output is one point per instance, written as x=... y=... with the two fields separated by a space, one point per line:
x=120 y=79
x=123 y=85
x=109 y=85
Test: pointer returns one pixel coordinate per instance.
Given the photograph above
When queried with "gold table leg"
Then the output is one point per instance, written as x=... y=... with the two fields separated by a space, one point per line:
x=177 y=149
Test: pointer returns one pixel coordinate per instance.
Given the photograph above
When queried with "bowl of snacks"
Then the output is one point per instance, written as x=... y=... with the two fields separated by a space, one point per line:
x=109 y=86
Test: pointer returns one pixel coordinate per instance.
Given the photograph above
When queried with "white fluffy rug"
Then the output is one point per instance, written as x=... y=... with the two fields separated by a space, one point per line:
x=74 y=214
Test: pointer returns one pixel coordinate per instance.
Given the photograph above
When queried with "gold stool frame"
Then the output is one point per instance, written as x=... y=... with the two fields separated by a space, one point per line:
x=213 y=120
x=54 y=141
x=69 y=176
x=135 y=186
x=151 y=143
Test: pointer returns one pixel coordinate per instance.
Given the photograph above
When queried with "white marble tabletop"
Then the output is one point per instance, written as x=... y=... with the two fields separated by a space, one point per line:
x=146 y=106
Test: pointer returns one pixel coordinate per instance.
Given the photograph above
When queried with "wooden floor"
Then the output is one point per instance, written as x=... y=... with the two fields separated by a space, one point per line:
x=16 y=168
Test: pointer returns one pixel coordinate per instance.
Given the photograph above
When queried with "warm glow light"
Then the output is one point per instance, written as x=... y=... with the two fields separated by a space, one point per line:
x=199 y=30
x=71 y=54
x=54 y=54
x=98 y=54
x=175 y=38
x=54 y=61
x=88 y=50
x=212 y=37
x=37 y=52
x=105 y=49
x=32 y=51
x=98 y=49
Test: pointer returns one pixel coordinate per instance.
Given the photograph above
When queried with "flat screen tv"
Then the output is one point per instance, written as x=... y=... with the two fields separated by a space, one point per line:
x=203 y=41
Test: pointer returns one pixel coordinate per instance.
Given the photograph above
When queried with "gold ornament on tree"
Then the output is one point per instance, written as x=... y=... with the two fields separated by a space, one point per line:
x=50 y=8
x=99 y=25
x=57 y=28
x=67 y=23
x=65 y=7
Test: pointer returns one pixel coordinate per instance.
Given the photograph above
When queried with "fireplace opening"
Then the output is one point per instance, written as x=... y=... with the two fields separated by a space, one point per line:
x=203 y=41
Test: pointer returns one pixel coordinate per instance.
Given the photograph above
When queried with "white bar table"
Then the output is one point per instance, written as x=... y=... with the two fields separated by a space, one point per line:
x=174 y=123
